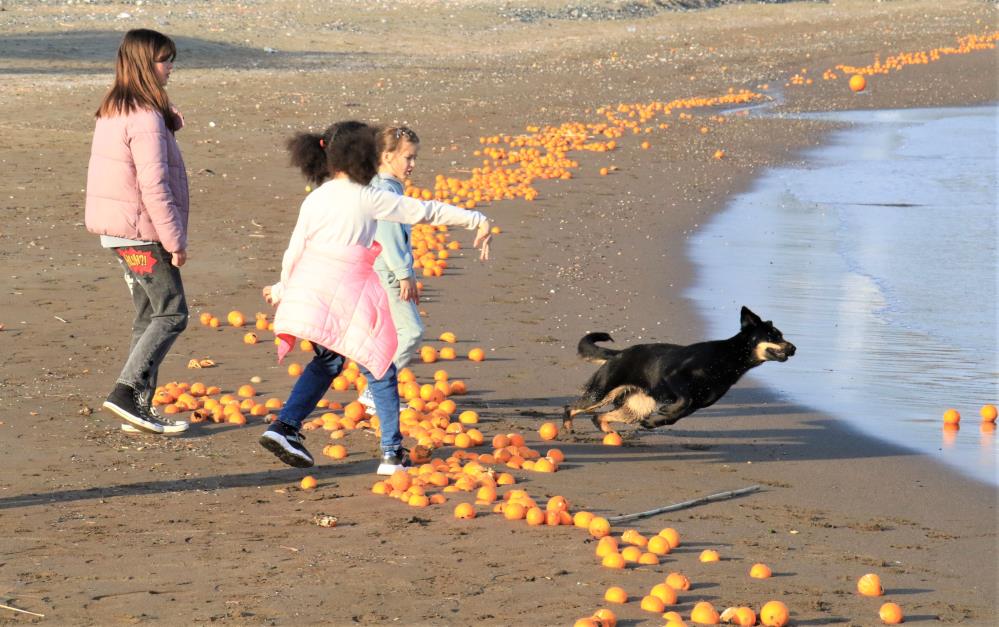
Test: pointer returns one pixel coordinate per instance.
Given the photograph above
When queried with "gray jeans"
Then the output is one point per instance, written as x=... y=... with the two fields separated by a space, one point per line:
x=160 y=312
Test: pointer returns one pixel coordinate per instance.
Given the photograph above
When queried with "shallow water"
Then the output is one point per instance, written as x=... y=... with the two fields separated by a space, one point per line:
x=877 y=258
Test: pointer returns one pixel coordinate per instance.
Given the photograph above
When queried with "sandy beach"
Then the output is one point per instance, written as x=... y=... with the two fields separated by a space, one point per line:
x=99 y=527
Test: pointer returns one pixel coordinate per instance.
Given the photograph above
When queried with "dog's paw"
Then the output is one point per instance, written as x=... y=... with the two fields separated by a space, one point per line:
x=648 y=424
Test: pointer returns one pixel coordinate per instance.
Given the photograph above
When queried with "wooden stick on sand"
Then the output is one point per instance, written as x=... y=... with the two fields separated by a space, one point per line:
x=14 y=609
x=721 y=496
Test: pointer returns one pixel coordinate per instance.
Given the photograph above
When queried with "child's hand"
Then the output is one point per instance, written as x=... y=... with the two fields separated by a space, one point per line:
x=267 y=295
x=482 y=237
x=178 y=258
x=408 y=291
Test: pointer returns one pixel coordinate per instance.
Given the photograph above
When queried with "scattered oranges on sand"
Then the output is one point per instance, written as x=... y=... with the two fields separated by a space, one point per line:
x=870 y=585
x=891 y=614
x=709 y=555
x=616 y=594
x=742 y=616
x=548 y=431
x=308 y=482
x=774 y=614
x=858 y=83
x=704 y=613
x=760 y=571
x=612 y=439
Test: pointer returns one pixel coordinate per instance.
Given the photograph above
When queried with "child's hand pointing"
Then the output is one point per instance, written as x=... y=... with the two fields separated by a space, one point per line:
x=482 y=238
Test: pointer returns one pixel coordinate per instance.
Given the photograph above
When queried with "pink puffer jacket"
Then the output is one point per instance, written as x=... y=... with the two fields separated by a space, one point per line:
x=136 y=182
x=334 y=298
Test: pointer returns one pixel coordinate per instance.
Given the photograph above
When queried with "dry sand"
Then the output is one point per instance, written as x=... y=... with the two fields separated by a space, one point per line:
x=101 y=528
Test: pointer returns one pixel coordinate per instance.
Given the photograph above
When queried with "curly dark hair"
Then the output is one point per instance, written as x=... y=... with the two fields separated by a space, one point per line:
x=344 y=147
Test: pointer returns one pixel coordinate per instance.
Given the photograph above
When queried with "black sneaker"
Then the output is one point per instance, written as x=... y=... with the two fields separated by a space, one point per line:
x=286 y=443
x=391 y=462
x=124 y=402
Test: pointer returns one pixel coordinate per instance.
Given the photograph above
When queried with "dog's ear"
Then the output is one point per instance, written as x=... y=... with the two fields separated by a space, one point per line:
x=749 y=319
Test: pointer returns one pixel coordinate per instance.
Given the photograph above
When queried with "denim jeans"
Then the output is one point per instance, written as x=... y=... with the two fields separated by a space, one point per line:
x=160 y=312
x=406 y=317
x=315 y=380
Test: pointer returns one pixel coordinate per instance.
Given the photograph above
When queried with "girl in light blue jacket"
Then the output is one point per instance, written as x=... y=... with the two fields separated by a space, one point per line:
x=398 y=147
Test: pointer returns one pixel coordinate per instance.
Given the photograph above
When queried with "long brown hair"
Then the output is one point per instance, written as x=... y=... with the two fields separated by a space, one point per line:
x=135 y=83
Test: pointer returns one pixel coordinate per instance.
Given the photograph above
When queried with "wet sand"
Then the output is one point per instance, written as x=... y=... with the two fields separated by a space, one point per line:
x=101 y=528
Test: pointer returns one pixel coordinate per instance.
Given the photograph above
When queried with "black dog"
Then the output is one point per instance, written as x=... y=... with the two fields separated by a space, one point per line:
x=674 y=380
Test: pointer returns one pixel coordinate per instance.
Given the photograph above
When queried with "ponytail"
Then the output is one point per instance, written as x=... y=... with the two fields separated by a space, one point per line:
x=347 y=147
x=308 y=155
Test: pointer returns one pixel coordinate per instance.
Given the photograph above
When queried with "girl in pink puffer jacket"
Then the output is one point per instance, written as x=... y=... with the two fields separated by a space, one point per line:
x=329 y=292
x=137 y=201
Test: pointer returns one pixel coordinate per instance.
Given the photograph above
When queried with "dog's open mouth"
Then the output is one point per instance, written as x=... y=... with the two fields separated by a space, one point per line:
x=776 y=354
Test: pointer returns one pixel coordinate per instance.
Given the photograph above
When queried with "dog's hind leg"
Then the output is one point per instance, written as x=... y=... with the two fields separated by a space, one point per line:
x=636 y=407
x=588 y=403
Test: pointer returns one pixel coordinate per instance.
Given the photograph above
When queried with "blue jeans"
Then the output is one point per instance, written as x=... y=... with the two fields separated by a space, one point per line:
x=316 y=379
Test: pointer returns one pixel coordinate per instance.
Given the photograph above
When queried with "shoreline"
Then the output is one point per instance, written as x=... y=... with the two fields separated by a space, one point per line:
x=224 y=534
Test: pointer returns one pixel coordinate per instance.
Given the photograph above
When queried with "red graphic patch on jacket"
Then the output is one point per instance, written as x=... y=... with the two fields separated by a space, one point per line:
x=138 y=261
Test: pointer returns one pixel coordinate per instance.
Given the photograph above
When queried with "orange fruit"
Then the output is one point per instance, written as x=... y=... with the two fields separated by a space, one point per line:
x=664 y=593
x=633 y=537
x=652 y=604
x=589 y=621
x=616 y=594
x=988 y=413
x=870 y=585
x=774 y=614
x=294 y=369
x=613 y=560
x=612 y=439
x=548 y=431
x=514 y=511
x=678 y=582
x=428 y=354
x=555 y=455
x=672 y=536
x=448 y=337
x=606 y=544
x=308 y=482
x=236 y=319
x=477 y=354
x=709 y=555
x=704 y=613
x=335 y=451
x=469 y=417
x=400 y=480
x=858 y=83
x=891 y=614
x=605 y=617
x=648 y=559
x=250 y=338
x=464 y=511
x=448 y=353
x=951 y=417
x=760 y=571
x=658 y=545
x=742 y=616
x=246 y=391
x=631 y=553
x=599 y=527
x=535 y=517
x=205 y=318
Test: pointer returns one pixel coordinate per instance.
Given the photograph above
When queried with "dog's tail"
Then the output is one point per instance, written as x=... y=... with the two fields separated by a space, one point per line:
x=589 y=351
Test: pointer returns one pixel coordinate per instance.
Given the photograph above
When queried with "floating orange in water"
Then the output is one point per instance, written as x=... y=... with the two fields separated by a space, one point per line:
x=988 y=413
x=951 y=417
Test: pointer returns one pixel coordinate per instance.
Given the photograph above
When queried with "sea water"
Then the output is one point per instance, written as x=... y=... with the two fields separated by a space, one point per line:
x=876 y=256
